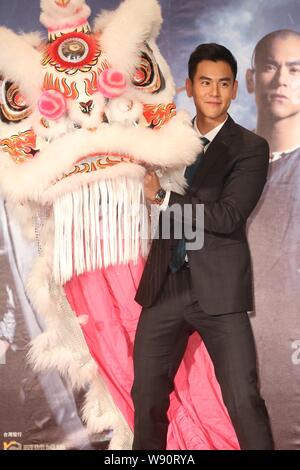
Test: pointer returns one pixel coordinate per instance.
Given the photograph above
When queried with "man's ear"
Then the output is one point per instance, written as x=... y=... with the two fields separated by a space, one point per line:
x=235 y=89
x=250 y=80
x=189 y=87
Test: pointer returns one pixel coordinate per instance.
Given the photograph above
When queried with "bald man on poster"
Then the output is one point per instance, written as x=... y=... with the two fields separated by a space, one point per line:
x=274 y=231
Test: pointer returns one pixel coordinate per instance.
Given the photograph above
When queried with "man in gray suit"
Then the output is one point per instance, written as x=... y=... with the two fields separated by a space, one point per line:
x=210 y=289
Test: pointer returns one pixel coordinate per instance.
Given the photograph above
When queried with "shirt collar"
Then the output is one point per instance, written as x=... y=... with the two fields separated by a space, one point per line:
x=277 y=155
x=211 y=134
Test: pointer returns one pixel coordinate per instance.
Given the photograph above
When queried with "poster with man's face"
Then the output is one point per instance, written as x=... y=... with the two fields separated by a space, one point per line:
x=274 y=77
x=268 y=102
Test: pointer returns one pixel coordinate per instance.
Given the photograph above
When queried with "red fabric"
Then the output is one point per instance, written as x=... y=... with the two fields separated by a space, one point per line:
x=198 y=417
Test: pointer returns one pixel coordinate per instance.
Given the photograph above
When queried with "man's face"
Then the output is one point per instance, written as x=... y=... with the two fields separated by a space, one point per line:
x=277 y=78
x=212 y=89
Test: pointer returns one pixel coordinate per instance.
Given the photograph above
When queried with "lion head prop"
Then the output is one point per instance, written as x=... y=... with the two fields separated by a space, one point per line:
x=82 y=115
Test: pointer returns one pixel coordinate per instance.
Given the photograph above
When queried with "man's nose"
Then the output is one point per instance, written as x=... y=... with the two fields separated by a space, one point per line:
x=215 y=91
x=282 y=76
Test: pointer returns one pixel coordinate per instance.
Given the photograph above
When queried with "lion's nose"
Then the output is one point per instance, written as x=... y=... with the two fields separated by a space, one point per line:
x=86 y=107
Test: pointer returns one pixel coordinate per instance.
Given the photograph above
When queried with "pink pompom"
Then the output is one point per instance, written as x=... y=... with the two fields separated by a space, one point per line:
x=112 y=83
x=52 y=104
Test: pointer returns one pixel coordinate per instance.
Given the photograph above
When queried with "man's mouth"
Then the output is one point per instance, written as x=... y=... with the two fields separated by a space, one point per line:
x=278 y=97
x=216 y=103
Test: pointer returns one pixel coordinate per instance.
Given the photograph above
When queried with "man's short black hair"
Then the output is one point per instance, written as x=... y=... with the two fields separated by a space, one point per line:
x=214 y=52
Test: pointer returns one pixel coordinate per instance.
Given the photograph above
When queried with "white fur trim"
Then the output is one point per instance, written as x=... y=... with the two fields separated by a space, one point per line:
x=75 y=182
x=100 y=413
x=54 y=17
x=172 y=146
x=24 y=214
x=34 y=39
x=134 y=22
x=56 y=128
x=43 y=355
x=125 y=109
x=174 y=180
x=62 y=347
x=20 y=63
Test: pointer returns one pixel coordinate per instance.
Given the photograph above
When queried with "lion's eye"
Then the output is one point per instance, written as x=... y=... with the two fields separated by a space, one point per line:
x=72 y=52
x=148 y=76
x=13 y=106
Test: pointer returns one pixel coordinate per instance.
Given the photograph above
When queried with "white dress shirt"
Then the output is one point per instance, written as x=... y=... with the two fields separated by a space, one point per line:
x=210 y=136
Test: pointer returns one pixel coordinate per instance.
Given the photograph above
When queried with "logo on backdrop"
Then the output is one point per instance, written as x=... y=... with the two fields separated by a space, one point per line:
x=296 y=354
x=12 y=445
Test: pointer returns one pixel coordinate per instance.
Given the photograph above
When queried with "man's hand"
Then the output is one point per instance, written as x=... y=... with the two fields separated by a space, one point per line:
x=151 y=185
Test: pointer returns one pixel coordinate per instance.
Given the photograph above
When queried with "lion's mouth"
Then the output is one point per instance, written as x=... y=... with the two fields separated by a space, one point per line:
x=97 y=161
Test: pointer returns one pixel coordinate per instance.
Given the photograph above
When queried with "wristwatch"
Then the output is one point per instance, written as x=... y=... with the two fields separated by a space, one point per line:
x=160 y=196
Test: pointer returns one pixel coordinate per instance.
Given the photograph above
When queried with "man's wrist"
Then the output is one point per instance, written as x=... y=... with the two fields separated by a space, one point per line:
x=159 y=196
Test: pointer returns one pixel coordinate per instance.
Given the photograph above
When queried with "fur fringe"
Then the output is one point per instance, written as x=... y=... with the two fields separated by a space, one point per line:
x=34 y=38
x=102 y=224
x=54 y=17
x=20 y=63
x=96 y=418
x=137 y=21
x=62 y=347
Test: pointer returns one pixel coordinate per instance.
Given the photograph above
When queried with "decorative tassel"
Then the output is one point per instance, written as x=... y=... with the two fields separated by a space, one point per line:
x=102 y=224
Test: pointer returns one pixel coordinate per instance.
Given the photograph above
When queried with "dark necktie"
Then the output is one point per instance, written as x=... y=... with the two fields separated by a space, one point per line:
x=179 y=255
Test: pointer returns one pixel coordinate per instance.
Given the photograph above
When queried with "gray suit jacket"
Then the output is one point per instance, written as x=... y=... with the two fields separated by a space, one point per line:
x=229 y=183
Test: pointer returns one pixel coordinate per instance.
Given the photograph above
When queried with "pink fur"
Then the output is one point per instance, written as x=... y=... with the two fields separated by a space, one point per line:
x=112 y=83
x=75 y=24
x=52 y=105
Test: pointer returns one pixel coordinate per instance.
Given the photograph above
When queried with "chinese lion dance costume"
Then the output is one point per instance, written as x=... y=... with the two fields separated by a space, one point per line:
x=83 y=114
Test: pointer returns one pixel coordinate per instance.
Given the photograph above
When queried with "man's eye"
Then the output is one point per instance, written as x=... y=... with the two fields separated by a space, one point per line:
x=204 y=82
x=294 y=70
x=269 y=67
x=224 y=84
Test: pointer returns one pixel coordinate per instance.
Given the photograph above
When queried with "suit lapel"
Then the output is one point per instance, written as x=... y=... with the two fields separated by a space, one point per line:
x=216 y=150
